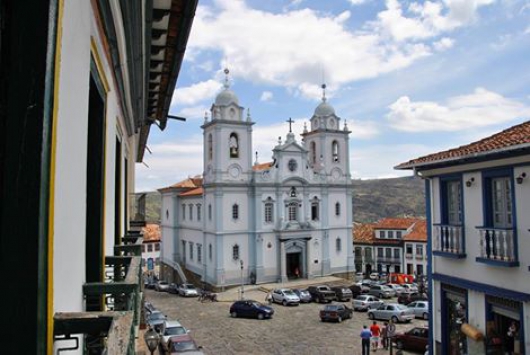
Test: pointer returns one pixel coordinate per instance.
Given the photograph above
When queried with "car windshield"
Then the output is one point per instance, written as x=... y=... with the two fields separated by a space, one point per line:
x=175 y=331
x=183 y=346
x=157 y=315
x=361 y=298
x=400 y=307
x=288 y=292
x=162 y=283
x=256 y=304
x=189 y=286
x=331 y=308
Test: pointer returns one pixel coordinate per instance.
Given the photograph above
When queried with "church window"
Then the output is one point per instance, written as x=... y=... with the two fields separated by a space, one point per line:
x=337 y=209
x=338 y=244
x=235 y=252
x=199 y=253
x=269 y=210
x=234 y=146
x=313 y=149
x=191 y=251
x=183 y=212
x=199 y=212
x=210 y=212
x=210 y=147
x=293 y=211
x=335 y=151
x=191 y=212
x=292 y=192
x=210 y=251
x=315 y=209
x=235 y=211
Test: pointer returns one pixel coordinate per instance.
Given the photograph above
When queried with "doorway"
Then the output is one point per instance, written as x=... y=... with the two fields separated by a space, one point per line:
x=294 y=267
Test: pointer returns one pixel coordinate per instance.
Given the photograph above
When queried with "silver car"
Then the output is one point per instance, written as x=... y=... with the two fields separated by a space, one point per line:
x=162 y=286
x=397 y=288
x=366 y=302
x=420 y=309
x=381 y=291
x=392 y=311
x=187 y=290
x=285 y=296
x=169 y=329
x=304 y=295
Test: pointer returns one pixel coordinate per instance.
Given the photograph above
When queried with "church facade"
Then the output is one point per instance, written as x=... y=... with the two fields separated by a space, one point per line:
x=260 y=223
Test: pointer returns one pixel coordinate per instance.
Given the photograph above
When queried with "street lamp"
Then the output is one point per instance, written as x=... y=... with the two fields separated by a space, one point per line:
x=152 y=339
x=242 y=287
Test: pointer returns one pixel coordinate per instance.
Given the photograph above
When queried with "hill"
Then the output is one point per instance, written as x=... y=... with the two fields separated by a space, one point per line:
x=372 y=199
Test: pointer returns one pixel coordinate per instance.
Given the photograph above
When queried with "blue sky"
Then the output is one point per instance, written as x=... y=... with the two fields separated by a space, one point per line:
x=409 y=77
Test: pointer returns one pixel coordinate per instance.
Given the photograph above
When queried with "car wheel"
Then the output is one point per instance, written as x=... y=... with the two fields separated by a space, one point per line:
x=395 y=319
x=233 y=314
x=425 y=316
x=339 y=319
x=284 y=302
x=261 y=316
x=371 y=316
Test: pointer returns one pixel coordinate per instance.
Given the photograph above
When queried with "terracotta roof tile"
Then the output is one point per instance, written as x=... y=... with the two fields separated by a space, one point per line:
x=515 y=137
x=418 y=233
x=151 y=232
x=195 y=192
x=395 y=223
x=263 y=166
x=363 y=233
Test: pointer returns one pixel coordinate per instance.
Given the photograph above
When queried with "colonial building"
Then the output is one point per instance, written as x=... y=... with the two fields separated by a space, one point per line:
x=251 y=222
x=151 y=249
x=392 y=245
x=478 y=198
x=81 y=82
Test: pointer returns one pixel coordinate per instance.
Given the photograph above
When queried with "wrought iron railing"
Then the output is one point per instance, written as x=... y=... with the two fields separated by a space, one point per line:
x=497 y=244
x=448 y=239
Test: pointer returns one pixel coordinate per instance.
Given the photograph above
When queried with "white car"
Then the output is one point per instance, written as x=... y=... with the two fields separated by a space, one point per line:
x=285 y=296
x=366 y=302
x=420 y=309
x=392 y=311
x=397 y=288
x=187 y=290
x=169 y=329
x=410 y=287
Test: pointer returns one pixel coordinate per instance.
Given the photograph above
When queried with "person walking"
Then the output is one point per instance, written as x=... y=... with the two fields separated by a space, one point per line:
x=366 y=335
x=376 y=332
x=384 y=335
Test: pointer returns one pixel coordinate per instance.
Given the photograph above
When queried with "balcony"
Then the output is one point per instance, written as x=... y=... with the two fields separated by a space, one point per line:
x=448 y=241
x=408 y=256
x=112 y=330
x=386 y=260
x=419 y=256
x=497 y=247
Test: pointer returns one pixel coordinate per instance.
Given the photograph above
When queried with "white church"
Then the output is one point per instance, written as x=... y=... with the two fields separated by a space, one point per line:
x=260 y=223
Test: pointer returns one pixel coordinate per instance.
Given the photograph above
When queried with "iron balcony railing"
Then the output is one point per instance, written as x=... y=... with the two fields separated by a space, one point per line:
x=113 y=330
x=448 y=239
x=497 y=244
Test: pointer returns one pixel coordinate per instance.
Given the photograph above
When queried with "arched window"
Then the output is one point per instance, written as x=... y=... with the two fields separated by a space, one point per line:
x=335 y=151
x=235 y=252
x=338 y=244
x=292 y=211
x=234 y=145
x=315 y=208
x=337 y=209
x=210 y=147
x=235 y=211
x=313 y=149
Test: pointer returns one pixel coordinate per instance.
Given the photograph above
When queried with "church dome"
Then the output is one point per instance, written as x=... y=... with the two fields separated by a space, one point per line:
x=324 y=109
x=226 y=97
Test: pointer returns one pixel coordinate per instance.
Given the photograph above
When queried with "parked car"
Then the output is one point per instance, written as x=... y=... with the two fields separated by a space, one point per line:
x=410 y=287
x=398 y=289
x=366 y=302
x=359 y=276
x=336 y=312
x=342 y=293
x=173 y=288
x=149 y=307
x=304 y=295
x=156 y=320
x=356 y=290
x=285 y=296
x=250 y=309
x=420 y=309
x=407 y=297
x=381 y=291
x=162 y=286
x=183 y=344
x=374 y=276
x=322 y=293
x=168 y=329
x=415 y=339
x=392 y=311
x=187 y=290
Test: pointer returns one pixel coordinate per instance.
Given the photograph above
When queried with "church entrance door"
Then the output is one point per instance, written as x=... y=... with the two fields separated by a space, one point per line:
x=294 y=267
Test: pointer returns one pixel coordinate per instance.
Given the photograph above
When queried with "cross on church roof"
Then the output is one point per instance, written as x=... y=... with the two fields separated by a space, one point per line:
x=290 y=120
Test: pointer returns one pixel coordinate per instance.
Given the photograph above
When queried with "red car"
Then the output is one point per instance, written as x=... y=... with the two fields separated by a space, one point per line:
x=183 y=344
x=415 y=339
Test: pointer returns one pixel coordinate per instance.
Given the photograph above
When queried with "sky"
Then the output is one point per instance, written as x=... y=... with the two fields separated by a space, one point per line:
x=410 y=78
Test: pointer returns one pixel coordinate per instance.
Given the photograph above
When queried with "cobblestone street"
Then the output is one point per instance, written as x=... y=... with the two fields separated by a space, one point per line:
x=292 y=330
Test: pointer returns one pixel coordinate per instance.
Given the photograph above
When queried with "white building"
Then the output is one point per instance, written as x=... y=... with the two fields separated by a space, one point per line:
x=246 y=222
x=478 y=198
x=81 y=82
x=151 y=249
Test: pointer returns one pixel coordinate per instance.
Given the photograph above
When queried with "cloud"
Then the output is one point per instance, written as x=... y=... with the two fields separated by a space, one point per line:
x=443 y=44
x=480 y=109
x=266 y=96
x=195 y=93
x=357 y=2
